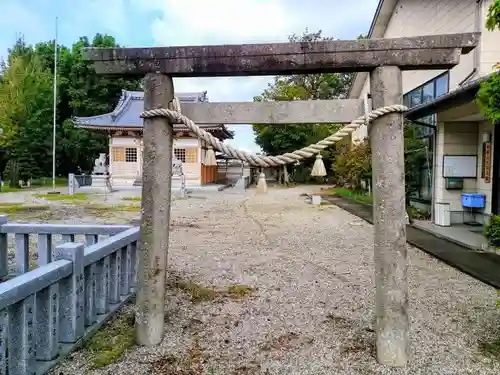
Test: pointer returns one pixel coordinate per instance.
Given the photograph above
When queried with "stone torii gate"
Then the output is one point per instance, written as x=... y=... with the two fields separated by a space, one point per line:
x=384 y=59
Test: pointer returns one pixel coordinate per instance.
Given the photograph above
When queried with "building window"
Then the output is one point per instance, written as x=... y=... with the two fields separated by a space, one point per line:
x=131 y=155
x=186 y=155
x=118 y=154
x=192 y=155
x=180 y=154
x=423 y=94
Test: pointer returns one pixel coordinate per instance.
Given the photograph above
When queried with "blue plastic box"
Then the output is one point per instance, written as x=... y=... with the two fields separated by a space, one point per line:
x=473 y=200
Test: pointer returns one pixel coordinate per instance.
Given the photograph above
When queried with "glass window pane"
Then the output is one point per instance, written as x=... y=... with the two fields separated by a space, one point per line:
x=406 y=101
x=428 y=92
x=415 y=97
x=442 y=85
x=425 y=189
x=434 y=119
x=427 y=120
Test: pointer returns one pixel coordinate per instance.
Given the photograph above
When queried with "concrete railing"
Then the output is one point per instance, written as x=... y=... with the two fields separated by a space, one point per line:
x=94 y=182
x=46 y=312
x=83 y=179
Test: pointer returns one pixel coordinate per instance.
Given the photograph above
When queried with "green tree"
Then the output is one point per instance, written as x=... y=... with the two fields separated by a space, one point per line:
x=287 y=138
x=26 y=106
x=82 y=92
x=25 y=113
x=488 y=96
x=352 y=163
x=493 y=16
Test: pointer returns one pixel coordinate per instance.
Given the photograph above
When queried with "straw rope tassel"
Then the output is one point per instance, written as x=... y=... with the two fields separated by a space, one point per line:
x=261 y=183
x=210 y=157
x=318 y=169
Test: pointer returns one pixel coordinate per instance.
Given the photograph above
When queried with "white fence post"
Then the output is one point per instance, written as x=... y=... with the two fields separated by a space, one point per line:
x=71 y=184
x=72 y=318
x=4 y=268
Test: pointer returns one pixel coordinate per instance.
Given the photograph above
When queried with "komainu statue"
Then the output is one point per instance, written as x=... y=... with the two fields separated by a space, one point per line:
x=100 y=166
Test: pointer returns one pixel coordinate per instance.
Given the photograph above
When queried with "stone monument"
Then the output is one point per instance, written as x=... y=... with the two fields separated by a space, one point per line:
x=178 y=171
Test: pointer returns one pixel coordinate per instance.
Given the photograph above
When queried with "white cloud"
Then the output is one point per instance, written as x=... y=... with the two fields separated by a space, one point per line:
x=182 y=22
x=112 y=18
x=223 y=21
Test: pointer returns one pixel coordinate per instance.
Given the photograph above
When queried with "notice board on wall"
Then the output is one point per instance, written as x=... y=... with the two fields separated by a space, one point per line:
x=461 y=166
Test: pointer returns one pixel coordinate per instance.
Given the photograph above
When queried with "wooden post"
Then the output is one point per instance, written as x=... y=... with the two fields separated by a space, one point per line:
x=386 y=137
x=156 y=186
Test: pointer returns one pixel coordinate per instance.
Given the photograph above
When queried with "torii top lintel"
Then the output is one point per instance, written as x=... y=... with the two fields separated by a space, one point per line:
x=414 y=53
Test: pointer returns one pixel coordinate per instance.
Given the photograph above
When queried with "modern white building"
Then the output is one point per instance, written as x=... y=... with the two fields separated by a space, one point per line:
x=463 y=154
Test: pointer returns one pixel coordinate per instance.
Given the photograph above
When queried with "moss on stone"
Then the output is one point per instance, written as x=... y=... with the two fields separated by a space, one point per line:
x=108 y=344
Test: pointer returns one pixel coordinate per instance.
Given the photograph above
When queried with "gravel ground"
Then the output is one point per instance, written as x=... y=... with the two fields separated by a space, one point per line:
x=311 y=310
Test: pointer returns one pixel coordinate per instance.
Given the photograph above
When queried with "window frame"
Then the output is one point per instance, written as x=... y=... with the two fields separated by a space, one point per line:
x=180 y=154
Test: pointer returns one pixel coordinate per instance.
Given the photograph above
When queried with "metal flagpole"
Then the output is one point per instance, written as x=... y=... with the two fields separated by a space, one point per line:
x=54 y=116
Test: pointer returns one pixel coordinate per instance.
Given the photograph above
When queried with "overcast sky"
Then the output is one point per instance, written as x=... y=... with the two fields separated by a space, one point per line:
x=184 y=22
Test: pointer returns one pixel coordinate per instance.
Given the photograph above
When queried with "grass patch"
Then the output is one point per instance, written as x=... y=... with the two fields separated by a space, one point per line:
x=197 y=292
x=47 y=182
x=63 y=197
x=108 y=344
x=491 y=349
x=200 y=293
x=239 y=291
x=132 y=199
x=37 y=183
x=283 y=186
x=8 y=189
x=102 y=210
x=353 y=195
x=20 y=208
x=191 y=363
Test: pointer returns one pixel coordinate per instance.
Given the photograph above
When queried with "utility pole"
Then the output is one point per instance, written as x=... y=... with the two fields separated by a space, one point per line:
x=54 y=115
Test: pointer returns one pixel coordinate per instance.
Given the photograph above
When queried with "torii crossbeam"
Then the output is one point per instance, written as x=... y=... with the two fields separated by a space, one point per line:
x=383 y=58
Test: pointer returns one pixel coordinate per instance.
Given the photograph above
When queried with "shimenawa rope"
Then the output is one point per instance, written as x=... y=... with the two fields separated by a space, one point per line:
x=175 y=117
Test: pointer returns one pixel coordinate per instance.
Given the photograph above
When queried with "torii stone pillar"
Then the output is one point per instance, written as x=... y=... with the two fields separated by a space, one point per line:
x=155 y=212
x=390 y=255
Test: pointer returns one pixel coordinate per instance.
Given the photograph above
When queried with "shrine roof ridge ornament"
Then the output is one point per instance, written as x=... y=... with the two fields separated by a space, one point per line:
x=409 y=53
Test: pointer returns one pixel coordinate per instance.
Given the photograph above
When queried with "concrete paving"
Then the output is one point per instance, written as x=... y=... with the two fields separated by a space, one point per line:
x=462 y=235
x=482 y=266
